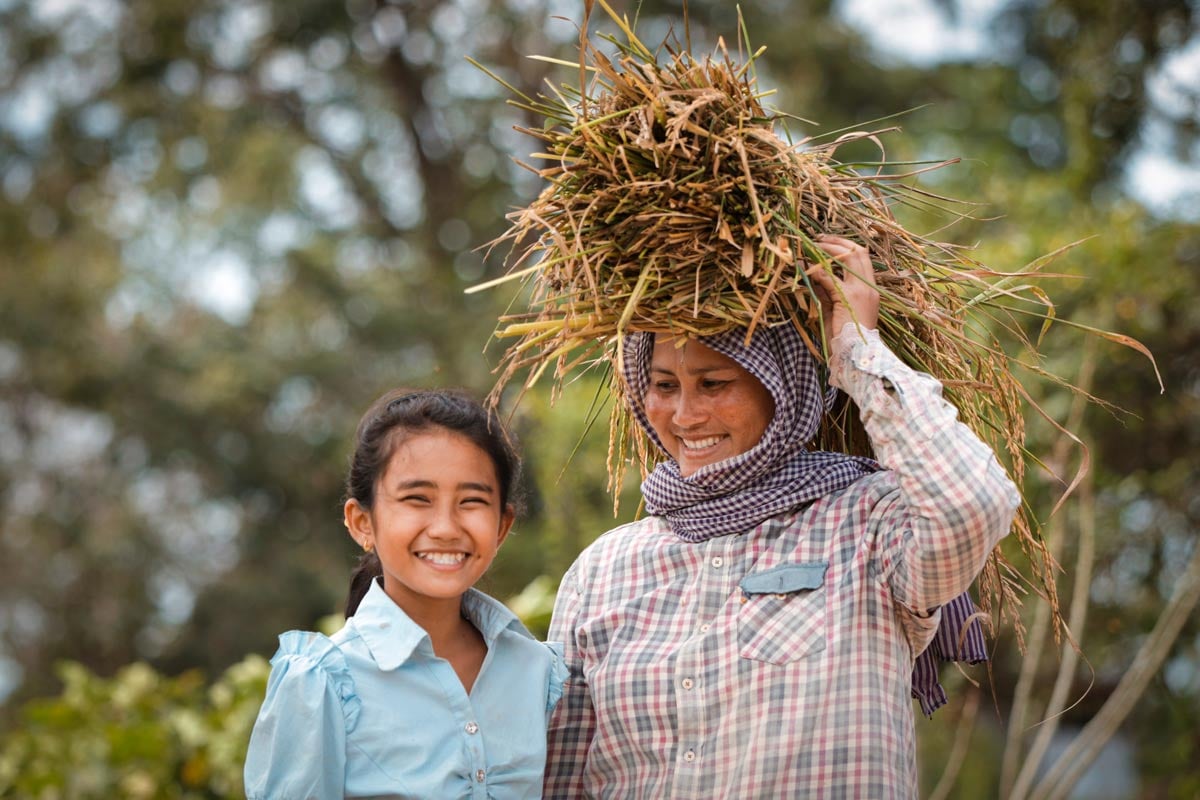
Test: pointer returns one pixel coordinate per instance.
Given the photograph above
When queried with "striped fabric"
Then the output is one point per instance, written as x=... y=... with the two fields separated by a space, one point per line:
x=777 y=662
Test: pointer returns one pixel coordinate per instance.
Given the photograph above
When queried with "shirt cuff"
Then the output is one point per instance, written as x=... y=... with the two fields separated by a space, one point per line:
x=859 y=356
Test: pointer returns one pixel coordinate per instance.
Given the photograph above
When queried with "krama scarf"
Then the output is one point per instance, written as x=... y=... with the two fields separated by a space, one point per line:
x=777 y=475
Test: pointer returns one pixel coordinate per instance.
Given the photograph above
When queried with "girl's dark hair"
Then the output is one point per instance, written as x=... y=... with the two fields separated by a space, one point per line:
x=398 y=415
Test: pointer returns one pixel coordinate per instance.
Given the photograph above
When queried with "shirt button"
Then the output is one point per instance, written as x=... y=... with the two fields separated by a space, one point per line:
x=690 y=755
x=704 y=628
x=480 y=775
x=471 y=728
x=717 y=561
x=687 y=683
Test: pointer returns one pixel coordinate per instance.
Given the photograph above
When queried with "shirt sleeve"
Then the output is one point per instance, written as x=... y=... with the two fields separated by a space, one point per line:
x=298 y=745
x=555 y=677
x=955 y=501
x=573 y=723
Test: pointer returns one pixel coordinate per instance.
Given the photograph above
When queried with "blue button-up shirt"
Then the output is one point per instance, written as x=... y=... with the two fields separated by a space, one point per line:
x=372 y=712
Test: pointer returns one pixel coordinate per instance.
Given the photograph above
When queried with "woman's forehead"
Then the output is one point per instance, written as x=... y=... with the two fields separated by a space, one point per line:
x=674 y=353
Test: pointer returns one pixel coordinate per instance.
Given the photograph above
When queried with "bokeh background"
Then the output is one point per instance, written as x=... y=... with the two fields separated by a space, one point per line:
x=227 y=225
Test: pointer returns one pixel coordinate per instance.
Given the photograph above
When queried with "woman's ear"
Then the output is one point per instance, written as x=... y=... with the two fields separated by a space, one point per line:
x=358 y=522
x=506 y=523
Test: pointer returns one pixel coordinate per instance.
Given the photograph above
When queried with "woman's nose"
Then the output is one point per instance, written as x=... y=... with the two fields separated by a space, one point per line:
x=690 y=410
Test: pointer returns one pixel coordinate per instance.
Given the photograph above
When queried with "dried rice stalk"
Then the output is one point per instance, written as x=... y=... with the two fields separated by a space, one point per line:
x=672 y=204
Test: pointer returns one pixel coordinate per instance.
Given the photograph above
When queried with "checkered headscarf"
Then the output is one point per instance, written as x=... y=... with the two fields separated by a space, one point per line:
x=779 y=473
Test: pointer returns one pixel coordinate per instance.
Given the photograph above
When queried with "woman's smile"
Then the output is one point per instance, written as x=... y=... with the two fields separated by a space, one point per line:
x=704 y=406
x=700 y=444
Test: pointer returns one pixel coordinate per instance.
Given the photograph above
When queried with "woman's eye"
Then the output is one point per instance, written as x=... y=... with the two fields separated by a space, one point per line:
x=664 y=386
x=713 y=384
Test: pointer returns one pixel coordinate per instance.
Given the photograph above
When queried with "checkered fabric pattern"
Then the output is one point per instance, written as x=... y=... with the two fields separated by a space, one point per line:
x=684 y=685
x=776 y=475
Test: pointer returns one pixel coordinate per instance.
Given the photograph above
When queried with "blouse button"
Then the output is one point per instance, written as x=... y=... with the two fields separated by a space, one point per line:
x=690 y=755
x=480 y=775
x=717 y=561
x=687 y=683
x=471 y=728
x=704 y=628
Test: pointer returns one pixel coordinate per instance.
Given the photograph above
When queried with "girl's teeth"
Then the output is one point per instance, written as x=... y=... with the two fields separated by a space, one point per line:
x=697 y=444
x=444 y=558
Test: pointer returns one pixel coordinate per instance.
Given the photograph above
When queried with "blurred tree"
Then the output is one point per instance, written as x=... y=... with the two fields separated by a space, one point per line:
x=227 y=226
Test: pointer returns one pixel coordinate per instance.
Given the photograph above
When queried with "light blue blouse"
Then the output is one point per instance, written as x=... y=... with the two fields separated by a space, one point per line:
x=372 y=712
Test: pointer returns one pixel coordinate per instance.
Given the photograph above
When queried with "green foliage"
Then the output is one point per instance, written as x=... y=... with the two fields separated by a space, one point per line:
x=141 y=735
x=138 y=735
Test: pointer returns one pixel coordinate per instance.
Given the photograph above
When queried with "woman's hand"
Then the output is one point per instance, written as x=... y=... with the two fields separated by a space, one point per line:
x=850 y=298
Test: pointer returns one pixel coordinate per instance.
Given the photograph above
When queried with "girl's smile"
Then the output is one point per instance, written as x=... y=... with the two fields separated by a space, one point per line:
x=437 y=520
x=443 y=560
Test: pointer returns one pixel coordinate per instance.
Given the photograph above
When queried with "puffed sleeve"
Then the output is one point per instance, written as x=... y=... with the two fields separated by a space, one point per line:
x=558 y=674
x=298 y=745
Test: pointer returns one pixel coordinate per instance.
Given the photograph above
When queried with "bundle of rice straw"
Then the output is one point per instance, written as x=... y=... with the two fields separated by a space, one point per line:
x=672 y=204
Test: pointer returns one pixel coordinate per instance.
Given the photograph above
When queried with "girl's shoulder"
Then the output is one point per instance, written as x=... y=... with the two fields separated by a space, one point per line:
x=549 y=660
x=314 y=650
x=311 y=663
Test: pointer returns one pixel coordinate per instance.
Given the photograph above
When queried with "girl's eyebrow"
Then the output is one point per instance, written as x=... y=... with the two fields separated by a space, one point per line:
x=419 y=483
x=416 y=483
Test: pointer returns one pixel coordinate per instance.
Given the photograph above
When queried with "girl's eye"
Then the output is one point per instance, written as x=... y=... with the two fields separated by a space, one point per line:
x=414 y=498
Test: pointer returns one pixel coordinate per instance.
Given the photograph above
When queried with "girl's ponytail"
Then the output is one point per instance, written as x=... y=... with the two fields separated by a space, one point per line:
x=369 y=568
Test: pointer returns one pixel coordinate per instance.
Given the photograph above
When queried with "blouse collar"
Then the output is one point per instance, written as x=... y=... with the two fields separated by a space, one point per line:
x=392 y=636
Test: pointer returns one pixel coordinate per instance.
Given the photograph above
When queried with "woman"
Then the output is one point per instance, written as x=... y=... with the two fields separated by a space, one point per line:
x=755 y=636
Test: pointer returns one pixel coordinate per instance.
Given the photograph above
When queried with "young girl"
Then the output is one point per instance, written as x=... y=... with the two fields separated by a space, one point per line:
x=432 y=688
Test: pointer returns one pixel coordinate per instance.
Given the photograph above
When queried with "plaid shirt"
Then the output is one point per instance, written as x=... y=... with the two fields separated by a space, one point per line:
x=777 y=662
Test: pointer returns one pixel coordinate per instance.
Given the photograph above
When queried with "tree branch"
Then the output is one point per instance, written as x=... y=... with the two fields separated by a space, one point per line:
x=1079 y=755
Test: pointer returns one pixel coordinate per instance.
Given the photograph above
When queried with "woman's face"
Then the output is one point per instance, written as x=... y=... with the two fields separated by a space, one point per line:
x=704 y=406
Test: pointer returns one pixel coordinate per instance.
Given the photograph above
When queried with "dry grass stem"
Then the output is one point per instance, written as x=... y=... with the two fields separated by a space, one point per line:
x=673 y=204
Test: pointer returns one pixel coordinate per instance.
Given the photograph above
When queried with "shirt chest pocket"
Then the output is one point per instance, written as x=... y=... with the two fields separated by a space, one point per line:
x=783 y=617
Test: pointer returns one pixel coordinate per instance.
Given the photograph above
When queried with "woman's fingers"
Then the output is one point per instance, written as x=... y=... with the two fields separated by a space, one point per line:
x=852 y=297
x=851 y=255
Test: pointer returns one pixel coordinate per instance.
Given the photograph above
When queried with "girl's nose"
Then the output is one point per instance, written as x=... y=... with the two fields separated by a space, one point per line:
x=442 y=523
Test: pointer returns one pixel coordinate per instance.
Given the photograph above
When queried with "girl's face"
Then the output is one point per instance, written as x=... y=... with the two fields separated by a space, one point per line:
x=704 y=406
x=437 y=519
